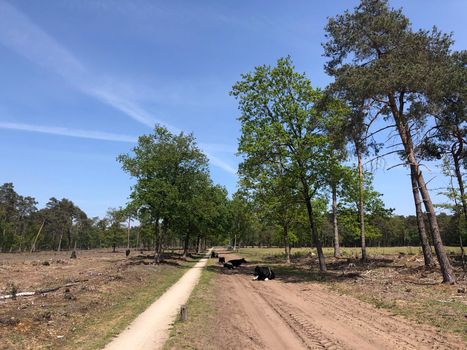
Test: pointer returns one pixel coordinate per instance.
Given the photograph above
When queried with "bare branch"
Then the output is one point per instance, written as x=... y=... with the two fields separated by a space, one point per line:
x=379 y=130
x=382 y=155
x=395 y=166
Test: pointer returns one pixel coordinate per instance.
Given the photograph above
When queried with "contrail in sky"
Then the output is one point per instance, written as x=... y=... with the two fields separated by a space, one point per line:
x=98 y=135
x=20 y=34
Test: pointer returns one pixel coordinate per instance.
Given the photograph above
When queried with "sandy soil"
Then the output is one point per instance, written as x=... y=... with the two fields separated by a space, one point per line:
x=151 y=329
x=102 y=285
x=295 y=315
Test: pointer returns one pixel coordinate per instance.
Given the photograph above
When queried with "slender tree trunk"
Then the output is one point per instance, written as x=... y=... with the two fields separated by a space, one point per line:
x=198 y=244
x=460 y=182
x=361 y=206
x=138 y=233
x=235 y=242
x=157 y=245
x=460 y=227
x=461 y=245
x=128 y=233
x=33 y=247
x=406 y=138
x=286 y=244
x=185 y=246
x=314 y=232
x=60 y=242
x=426 y=248
x=337 y=251
x=69 y=233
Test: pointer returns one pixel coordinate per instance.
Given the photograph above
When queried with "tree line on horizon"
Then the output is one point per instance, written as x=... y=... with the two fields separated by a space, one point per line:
x=62 y=225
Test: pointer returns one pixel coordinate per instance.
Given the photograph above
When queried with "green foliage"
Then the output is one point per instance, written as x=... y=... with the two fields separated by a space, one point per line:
x=174 y=193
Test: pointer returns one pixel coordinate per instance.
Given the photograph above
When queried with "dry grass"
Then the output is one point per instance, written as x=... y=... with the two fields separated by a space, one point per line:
x=111 y=290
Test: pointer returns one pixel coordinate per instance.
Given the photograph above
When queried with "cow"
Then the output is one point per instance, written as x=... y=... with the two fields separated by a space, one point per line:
x=228 y=265
x=264 y=273
x=237 y=262
x=221 y=260
x=214 y=254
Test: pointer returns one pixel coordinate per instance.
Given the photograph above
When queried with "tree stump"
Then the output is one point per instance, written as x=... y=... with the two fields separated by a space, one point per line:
x=183 y=313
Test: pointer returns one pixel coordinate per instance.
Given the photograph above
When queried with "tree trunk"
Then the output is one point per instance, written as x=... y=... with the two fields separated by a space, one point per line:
x=314 y=232
x=460 y=182
x=337 y=251
x=361 y=206
x=33 y=247
x=158 y=243
x=185 y=246
x=286 y=244
x=60 y=242
x=198 y=244
x=235 y=242
x=426 y=248
x=128 y=233
x=69 y=233
x=406 y=138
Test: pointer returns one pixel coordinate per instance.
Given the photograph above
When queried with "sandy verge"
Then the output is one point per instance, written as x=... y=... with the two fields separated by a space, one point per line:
x=281 y=315
x=150 y=330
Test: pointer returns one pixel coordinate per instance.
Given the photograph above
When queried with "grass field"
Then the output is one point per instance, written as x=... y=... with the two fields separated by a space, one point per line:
x=345 y=251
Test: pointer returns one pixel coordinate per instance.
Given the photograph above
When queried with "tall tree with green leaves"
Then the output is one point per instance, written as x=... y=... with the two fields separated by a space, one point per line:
x=169 y=170
x=280 y=120
x=374 y=53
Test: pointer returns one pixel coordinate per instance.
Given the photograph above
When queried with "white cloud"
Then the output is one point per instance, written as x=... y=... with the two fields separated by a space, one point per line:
x=55 y=130
x=20 y=34
x=221 y=164
x=99 y=135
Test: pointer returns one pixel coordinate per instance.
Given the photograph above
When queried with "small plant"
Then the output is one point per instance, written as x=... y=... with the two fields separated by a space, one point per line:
x=13 y=290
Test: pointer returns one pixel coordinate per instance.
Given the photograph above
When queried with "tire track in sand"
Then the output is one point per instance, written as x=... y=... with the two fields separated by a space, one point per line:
x=308 y=316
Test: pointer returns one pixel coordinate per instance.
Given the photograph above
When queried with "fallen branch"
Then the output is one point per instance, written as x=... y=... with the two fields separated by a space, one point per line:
x=40 y=291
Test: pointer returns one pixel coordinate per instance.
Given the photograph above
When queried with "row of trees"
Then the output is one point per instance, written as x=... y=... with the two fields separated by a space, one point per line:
x=62 y=225
x=297 y=141
x=59 y=225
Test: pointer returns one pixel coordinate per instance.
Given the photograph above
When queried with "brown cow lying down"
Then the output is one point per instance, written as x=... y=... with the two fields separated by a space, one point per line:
x=221 y=260
x=263 y=273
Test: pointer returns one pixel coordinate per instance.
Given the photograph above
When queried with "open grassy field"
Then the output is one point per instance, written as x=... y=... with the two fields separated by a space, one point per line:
x=101 y=292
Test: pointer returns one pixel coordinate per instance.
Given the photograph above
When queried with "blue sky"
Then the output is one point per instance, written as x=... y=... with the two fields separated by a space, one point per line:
x=81 y=79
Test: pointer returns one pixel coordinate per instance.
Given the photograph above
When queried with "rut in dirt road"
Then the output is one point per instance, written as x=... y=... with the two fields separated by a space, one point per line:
x=282 y=315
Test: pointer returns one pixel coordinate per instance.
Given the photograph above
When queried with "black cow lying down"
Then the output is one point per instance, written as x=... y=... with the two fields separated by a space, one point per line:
x=237 y=262
x=264 y=273
x=231 y=264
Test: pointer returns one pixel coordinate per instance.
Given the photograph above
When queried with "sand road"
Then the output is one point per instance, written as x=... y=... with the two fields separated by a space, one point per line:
x=150 y=330
x=281 y=315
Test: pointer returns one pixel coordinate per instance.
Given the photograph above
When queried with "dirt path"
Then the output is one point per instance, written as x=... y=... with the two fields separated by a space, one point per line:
x=150 y=330
x=280 y=315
